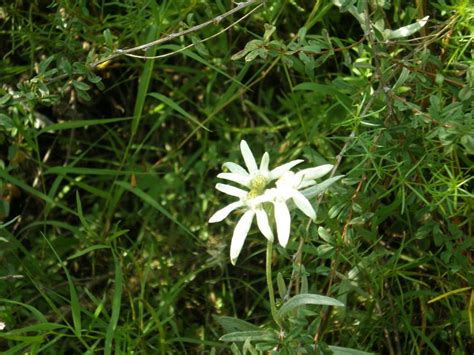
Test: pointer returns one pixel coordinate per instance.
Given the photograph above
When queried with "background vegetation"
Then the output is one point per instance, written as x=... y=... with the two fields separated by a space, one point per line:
x=107 y=173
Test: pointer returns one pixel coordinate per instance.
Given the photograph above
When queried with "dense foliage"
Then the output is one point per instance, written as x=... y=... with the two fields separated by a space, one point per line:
x=107 y=174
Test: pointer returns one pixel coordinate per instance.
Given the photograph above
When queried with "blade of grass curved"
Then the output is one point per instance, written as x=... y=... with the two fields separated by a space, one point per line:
x=75 y=306
x=306 y=299
x=144 y=81
x=81 y=123
x=153 y=203
x=116 y=303
x=34 y=192
x=177 y=108
x=35 y=312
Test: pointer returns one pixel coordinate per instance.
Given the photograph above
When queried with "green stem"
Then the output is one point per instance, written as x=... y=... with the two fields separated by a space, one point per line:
x=271 y=292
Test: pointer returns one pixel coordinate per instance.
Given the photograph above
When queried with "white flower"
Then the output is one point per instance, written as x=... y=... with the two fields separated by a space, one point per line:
x=296 y=187
x=256 y=180
x=253 y=207
x=287 y=187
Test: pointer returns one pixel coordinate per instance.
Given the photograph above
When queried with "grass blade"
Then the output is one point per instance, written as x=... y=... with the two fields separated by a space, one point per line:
x=144 y=82
x=116 y=304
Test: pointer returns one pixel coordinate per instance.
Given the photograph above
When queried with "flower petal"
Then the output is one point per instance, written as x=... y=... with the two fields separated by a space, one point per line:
x=263 y=225
x=224 y=212
x=264 y=164
x=316 y=172
x=238 y=178
x=280 y=170
x=240 y=233
x=303 y=204
x=231 y=190
x=235 y=168
x=283 y=222
x=248 y=157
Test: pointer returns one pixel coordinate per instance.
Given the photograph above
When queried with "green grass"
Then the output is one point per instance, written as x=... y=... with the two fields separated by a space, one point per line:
x=107 y=177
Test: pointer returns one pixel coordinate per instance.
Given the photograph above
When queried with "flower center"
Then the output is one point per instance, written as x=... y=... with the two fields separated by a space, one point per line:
x=257 y=186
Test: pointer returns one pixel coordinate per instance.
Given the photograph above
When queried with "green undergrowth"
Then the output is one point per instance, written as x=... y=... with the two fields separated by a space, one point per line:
x=107 y=173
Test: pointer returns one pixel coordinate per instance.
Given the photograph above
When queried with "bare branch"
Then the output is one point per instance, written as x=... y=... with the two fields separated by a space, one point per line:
x=216 y=20
x=193 y=44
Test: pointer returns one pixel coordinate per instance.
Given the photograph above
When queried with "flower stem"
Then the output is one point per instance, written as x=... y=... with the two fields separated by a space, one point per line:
x=271 y=292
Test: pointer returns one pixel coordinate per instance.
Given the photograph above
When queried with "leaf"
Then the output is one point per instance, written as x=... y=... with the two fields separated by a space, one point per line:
x=87 y=250
x=39 y=327
x=325 y=235
x=5 y=121
x=465 y=93
x=81 y=86
x=153 y=203
x=35 y=312
x=75 y=305
x=325 y=90
x=406 y=31
x=177 y=108
x=65 y=170
x=108 y=38
x=232 y=324
x=338 y=350
x=251 y=334
x=19 y=183
x=6 y=224
x=319 y=188
x=269 y=29
x=44 y=65
x=259 y=52
x=306 y=299
x=81 y=123
x=250 y=46
x=144 y=83
x=116 y=304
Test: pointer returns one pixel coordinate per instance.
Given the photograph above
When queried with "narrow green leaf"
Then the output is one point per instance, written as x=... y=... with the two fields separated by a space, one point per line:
x=306 y=299
x=320 y=188
x=84 y=223
x=251 y=334
x=64 y=170
x=325 y=90
x=108 y=37
x=23 y=338
x=39 y=327
x=116 y=303
x=153 y=203
x=337 y=350
x=406 y=31
x=79 y=85
x=6 y=224
x=325 y=235
x=144 y=81
x=232 y=324
x=33 y=191
x=177 y=108
x=81 y=123
x=75 y=305
x=88 y=250
x=35 y=312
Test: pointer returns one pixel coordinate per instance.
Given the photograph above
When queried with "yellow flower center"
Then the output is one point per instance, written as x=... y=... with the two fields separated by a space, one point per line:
x=257 y=186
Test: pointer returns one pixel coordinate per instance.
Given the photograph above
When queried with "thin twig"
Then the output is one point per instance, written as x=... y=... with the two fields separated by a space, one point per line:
x=216 y=20
x=193 y=44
